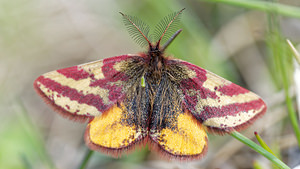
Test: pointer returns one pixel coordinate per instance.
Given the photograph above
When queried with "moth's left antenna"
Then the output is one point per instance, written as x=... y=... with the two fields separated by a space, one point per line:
x=137 y=29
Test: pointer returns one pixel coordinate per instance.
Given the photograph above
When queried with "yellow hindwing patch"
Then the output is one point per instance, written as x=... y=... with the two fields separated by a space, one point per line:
x=109 y=131
x=189 y=138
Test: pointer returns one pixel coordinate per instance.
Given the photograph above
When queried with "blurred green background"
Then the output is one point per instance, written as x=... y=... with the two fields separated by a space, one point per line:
x=236 y=41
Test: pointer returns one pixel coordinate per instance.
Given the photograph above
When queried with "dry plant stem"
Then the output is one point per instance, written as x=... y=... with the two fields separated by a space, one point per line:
x=296 y=73
x=295 y=52
x=259 y=149
x=86 y=159
x=288 y=100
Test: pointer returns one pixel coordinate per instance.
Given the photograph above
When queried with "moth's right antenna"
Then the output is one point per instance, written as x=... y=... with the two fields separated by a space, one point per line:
x=166 y=26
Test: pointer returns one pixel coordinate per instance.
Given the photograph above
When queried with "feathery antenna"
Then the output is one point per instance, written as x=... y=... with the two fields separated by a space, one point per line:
x=166 y=25
x=137 y=29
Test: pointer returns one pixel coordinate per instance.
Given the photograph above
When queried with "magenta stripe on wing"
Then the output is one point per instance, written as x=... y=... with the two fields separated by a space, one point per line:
x=73 y=94
x=232 y=89
x=74 y=73
x=230 y=110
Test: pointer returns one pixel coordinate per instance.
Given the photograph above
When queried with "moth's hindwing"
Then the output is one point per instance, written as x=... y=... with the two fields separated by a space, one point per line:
x=85 y=90
x=184 y=138
x=113 y=131
x=219 y=104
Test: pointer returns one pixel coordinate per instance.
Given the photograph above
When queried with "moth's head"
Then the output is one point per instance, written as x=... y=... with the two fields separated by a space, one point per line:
x=163 y=33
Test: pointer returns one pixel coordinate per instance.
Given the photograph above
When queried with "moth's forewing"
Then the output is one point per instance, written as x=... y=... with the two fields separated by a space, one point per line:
x=84 y=91
x=217 y=103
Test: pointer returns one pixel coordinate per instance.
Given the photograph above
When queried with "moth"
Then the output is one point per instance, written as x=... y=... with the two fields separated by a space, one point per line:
x=135 y=99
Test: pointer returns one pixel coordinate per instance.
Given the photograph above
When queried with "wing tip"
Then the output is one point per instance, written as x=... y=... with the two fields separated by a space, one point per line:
x=59 y=110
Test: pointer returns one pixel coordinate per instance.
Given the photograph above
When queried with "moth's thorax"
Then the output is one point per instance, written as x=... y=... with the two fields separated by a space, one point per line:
x=156 y=60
